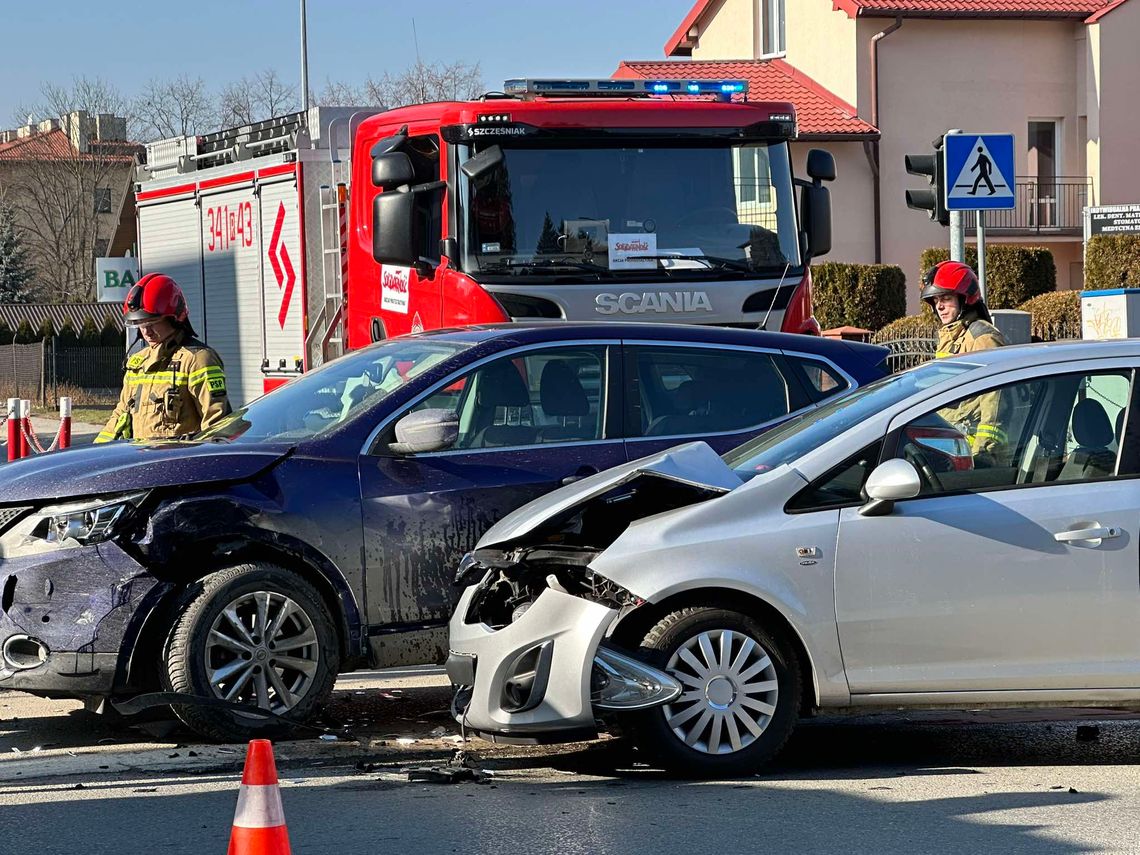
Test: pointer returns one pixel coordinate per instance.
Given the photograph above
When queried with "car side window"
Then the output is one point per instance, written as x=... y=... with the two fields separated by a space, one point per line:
x=682 y=391
x=535 y=398
x=1042 y=431
x=820 y=379
x=841 y=486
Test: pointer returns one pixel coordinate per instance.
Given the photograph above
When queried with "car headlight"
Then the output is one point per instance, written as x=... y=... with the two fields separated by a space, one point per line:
x=72 y=524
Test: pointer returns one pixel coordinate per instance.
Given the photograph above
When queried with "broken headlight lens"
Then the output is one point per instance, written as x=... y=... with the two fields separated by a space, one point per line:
x=86 y=522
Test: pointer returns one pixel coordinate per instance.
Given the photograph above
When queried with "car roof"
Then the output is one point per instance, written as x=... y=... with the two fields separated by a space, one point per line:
x=1030 y=355
x=535 y=332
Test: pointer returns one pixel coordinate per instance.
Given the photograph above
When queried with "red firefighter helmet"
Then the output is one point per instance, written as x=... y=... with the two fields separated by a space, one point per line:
x=951 y=277
x=155 y=296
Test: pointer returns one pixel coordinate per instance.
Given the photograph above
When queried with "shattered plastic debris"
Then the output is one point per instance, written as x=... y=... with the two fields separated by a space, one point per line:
x=446 y=774
x=327 y=737
x=405 y=740
x=438 y=732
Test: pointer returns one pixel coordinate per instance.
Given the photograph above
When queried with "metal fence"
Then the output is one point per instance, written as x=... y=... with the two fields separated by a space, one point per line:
x=22 y=370
x=1050 y=208
x=909 y=352
x=37 y=371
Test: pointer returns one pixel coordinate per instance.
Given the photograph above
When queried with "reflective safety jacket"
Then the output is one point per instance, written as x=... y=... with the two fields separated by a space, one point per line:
x=979 y=418
x=169 y=390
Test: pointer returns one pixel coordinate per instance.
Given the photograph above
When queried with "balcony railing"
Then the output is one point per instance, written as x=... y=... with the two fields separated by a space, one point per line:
x=1043 y=208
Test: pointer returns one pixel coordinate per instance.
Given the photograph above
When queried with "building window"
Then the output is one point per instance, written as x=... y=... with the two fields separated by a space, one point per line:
x=771 y=23
x=102 y=200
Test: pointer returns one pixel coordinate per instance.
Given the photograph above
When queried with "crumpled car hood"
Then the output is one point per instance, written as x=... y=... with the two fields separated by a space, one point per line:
x=122 y=466
x=694 y=464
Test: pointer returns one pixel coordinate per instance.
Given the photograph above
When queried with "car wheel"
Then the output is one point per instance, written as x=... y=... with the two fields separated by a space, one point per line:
x=257 y=635
x=740 y=693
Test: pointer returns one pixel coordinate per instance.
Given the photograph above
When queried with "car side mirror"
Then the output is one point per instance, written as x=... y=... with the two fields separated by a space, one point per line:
x=890 y=482
x=425 y=431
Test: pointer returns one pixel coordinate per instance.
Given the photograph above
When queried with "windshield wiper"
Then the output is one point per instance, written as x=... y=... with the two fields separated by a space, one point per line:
x=548 y=264
x=710 y=260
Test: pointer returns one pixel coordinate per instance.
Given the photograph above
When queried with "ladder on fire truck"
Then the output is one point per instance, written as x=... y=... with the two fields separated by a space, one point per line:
x=329 y=330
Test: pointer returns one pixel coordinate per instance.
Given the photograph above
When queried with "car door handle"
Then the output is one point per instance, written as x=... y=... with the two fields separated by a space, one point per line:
x=1073 y=535
x=583 y=472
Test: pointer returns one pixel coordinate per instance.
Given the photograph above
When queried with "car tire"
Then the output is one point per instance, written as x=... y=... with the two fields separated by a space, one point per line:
x=229 y=639
x=749 y=696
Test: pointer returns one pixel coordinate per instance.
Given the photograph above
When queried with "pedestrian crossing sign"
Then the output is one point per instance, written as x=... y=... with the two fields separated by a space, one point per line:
x=979 y=172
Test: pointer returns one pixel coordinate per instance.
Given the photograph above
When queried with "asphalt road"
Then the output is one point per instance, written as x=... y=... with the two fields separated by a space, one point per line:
x=980 y=782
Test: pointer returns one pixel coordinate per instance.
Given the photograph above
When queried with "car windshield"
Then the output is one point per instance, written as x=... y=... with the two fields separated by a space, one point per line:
x=334 y=393
x=795 y=438
x=589 y=210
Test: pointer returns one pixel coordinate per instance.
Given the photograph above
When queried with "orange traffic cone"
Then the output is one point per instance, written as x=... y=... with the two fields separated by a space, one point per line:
x=259 y=822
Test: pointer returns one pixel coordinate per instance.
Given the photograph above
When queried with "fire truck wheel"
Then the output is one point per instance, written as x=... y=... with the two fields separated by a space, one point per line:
x=257 y=636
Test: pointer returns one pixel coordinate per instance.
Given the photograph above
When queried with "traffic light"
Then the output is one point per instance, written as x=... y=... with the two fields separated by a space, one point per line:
x=933 y=168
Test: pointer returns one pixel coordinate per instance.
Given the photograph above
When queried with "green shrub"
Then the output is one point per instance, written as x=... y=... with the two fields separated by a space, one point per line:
x=89 y=334
x=1054 y=316
x=1108 y=258
x=110 y=334
x=868 y=296
x=5 y=334
x=908 y=326
x=1014 y=274
x=25 y=334
x=66 y=337
x=47 y=329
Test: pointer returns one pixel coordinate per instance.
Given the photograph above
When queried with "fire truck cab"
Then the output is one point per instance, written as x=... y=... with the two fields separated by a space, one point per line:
x=578 y=200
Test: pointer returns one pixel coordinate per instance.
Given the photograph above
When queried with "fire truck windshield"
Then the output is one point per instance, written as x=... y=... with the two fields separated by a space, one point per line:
x=621 y=210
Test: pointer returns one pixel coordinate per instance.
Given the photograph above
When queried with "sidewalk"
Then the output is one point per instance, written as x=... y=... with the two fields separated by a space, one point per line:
x=81 y=433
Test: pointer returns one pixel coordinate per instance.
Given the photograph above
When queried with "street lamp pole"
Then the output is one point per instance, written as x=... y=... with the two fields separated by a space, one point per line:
x=304 y=61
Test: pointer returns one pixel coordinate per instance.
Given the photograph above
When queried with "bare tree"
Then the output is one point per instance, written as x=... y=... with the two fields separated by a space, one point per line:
x=338 y=94
x=171 y=108
x=422 y=82
x=252 y=100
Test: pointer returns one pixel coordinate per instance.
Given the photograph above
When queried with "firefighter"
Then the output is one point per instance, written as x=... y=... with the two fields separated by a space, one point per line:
x=174 y=386
x=952 y=290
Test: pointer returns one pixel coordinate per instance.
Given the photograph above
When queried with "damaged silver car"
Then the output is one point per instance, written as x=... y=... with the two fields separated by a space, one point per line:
x=865 y=555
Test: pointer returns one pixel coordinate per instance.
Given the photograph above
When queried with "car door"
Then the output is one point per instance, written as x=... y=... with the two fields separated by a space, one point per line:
x=1016 y=567
x=529 y=421
x=722 y=395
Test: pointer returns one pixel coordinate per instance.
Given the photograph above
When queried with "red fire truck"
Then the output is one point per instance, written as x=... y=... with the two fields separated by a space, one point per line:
x=554 y=199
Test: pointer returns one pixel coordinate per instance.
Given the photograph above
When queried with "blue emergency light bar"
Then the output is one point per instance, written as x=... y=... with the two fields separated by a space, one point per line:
x=723 y=89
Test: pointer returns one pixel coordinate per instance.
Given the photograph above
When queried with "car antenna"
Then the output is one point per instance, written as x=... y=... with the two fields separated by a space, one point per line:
x=775 y=296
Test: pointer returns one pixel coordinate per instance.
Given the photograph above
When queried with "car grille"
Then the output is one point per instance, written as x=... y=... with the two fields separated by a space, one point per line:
x=9 y=516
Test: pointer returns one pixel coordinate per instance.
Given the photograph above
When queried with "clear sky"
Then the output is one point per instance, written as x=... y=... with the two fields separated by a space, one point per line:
x=126 y=42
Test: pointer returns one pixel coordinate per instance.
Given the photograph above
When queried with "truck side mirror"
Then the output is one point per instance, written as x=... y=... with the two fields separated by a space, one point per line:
x=393 y=215
x=393 y=169
x=483 y=162
x=815 y=215
x=820 y=165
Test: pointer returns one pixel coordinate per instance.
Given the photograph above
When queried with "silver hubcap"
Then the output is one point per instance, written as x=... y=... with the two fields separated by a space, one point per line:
x=730 y=691
x=262 y=650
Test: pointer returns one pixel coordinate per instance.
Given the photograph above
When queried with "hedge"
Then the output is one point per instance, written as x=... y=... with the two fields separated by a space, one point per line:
x=1108 y=258
x=1055 y=316
x=868 y=296
x=908 y=326
x=1014 y=274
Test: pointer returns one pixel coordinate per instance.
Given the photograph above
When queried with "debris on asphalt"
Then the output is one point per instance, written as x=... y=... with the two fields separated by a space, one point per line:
x=405 y=740
x=1087 y=733
x=438 y=732
x=361 y=766
x=327 y=737
x=1073 y=790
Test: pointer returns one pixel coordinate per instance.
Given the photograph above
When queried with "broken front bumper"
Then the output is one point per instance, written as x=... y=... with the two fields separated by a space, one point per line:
x=68 y=618
x=530 y=679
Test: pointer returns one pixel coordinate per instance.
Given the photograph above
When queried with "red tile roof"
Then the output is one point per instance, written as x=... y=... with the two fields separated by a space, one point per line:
x=680 y=44
x=1115 y=4
x=972 y=8
x=55 y=145
x=820 y=113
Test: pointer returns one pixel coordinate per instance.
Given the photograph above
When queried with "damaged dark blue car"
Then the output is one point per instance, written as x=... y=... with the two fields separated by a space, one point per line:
x=318 y=529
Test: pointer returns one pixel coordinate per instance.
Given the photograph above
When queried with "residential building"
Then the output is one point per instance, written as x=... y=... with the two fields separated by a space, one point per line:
x=1055 y=73
x=69 y=180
